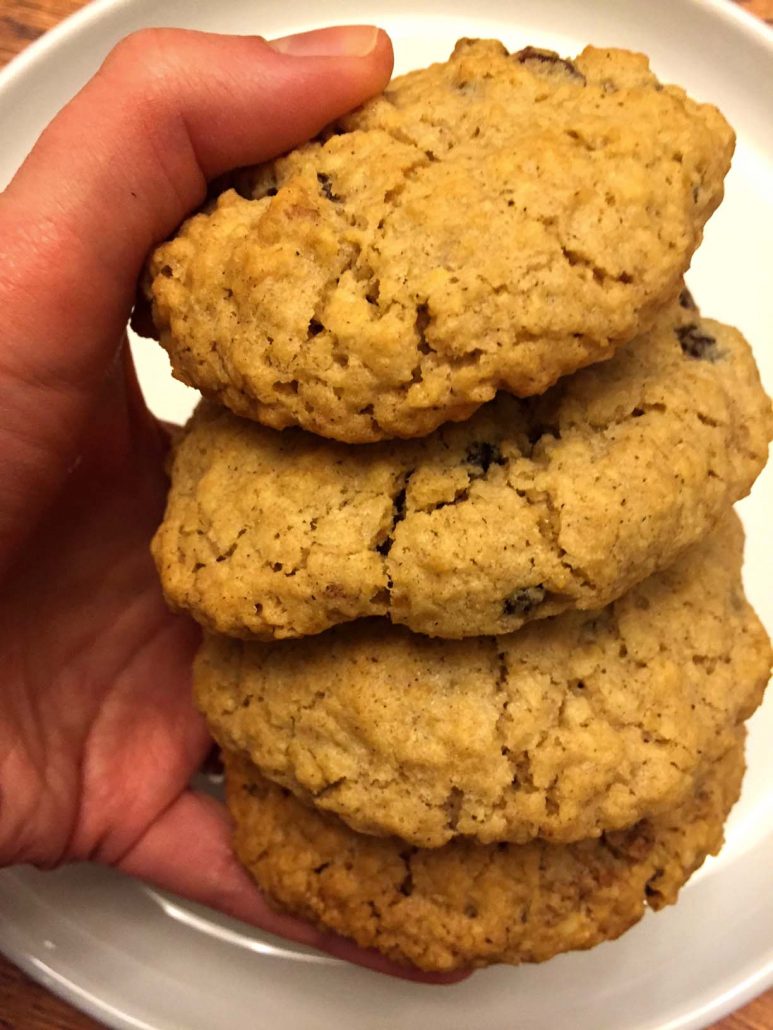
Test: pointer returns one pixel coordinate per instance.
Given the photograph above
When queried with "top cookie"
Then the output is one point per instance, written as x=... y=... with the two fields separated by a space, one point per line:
x=489 y=223
x=528 y=509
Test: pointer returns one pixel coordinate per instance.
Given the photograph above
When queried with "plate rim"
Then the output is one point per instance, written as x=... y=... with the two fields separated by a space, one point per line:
x=63 y=986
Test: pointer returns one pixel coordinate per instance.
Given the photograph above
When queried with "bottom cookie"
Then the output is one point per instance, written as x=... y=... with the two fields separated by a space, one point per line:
x=467 y=904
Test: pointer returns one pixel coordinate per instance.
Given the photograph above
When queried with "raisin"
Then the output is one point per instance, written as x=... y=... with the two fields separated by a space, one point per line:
x=697 y=344
x=523 y=600
x=484 y=455
x=686 y=300
x=406 y=887
x=327 y=189
x=531 y=53
x=398 y=514
x=423 y=319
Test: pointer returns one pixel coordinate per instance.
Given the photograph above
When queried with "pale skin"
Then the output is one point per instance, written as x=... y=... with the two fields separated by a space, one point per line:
x=98 y=734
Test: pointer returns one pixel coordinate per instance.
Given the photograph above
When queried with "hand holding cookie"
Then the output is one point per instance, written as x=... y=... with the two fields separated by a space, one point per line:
x=98 y=732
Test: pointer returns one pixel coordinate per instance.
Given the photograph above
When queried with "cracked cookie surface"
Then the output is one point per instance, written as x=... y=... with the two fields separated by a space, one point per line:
x=566 y=729
x=467 y=904
x=489 y=223
x=530 y=508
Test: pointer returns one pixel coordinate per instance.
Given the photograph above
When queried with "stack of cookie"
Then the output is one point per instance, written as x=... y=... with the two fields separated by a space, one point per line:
x=477 y=648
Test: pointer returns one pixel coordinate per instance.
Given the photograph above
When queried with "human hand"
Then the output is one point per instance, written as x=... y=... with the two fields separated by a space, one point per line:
x=98 y=734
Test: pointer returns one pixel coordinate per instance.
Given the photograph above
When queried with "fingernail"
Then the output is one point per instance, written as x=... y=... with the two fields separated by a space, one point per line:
x=341 y=41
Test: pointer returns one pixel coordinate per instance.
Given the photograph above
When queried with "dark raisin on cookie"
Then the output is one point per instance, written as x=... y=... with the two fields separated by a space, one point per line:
x=697 y=344
x=523 y=600
x=398 y=514
x=327 y=189
x=687 y=301
x=484 y=455
x=531 y=53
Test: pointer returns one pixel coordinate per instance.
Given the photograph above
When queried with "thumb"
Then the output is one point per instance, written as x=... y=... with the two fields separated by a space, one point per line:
x=115 y=173
x=187 y=850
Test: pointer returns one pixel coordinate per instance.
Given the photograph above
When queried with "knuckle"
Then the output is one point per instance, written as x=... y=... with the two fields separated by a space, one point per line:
x=139 y=44
x=145 y=58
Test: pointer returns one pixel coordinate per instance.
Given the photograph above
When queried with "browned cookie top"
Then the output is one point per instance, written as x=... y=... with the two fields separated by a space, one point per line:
x=489 y=223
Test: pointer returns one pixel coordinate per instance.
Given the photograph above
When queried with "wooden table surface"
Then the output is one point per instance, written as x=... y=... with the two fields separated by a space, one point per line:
x=25 y=1005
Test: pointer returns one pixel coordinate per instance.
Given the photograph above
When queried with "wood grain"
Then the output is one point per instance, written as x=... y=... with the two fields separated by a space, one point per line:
x=25 y=1005
x=21 y=21
x=762 y=8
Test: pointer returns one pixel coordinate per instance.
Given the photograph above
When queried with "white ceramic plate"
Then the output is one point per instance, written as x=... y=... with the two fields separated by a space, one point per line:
x=135 y=958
